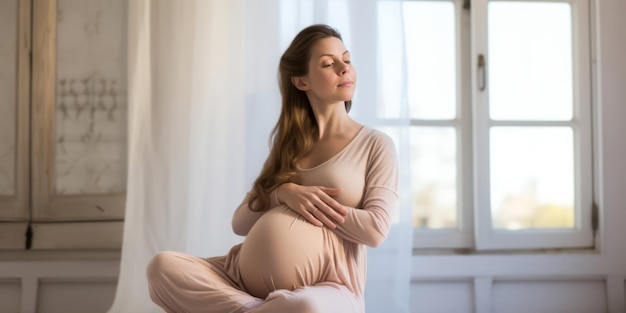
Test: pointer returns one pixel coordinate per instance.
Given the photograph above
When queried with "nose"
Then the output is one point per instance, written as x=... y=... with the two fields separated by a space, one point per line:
x=344 y=68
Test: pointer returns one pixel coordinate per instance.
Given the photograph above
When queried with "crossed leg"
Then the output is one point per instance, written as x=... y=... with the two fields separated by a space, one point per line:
x=320 y=298
x=183 y=283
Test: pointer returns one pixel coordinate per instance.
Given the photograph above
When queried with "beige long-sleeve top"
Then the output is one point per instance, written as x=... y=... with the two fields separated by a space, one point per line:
x=284 y=251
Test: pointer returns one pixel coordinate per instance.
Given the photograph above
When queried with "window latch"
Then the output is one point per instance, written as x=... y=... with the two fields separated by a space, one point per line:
x=481 y=73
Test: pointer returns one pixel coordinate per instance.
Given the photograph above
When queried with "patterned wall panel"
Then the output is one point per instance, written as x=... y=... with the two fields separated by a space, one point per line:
x=91 y=97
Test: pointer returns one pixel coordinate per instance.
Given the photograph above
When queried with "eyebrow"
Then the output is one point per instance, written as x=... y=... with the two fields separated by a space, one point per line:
x=332 y=55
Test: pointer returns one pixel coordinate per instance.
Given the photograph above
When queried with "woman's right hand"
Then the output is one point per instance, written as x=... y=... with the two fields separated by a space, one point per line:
x=314 y=203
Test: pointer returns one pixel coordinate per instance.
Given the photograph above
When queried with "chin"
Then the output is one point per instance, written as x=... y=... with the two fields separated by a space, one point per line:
x=347 y=97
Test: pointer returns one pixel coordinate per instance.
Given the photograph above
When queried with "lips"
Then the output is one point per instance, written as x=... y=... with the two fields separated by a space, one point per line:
x=346 y=83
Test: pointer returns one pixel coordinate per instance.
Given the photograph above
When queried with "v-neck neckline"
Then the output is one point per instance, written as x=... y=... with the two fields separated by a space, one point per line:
x=350 y=143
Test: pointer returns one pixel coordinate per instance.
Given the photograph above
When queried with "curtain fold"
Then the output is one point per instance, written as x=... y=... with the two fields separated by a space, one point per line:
x=203 y=98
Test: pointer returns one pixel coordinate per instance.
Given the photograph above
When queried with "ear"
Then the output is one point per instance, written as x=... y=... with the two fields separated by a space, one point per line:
x=300 y=82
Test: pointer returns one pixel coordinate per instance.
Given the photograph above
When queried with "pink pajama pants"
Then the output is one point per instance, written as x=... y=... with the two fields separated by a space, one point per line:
x=183 y=283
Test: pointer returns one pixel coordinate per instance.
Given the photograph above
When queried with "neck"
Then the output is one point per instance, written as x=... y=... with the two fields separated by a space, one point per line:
x=332 y=119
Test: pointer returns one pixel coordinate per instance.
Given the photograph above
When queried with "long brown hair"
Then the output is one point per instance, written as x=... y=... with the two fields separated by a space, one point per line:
x=296 y=131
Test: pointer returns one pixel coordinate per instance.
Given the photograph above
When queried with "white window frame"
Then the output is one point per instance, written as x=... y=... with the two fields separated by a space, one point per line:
x=462 y=236
x=475 y=231
x=581 y=235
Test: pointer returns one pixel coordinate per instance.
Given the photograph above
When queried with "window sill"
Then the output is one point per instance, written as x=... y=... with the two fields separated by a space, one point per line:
x=467 y=251
x=60 y=255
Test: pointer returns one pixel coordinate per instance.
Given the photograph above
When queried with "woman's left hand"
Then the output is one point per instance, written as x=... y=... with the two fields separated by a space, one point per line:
x=314 y=203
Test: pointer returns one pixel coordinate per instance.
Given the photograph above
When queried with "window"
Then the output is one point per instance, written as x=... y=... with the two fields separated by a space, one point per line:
x=63 y=124
x=500 y=123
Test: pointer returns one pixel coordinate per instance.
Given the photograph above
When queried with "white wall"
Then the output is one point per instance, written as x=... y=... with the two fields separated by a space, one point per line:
x=585 y=282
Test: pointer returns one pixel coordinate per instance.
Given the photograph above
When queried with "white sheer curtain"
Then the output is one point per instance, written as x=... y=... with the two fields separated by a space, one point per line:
x=203 y=98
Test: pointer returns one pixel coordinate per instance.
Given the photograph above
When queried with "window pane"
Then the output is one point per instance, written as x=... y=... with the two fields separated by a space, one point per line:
x=434 y=177
x=8 y=95
x=429 y=29
x=91 y=97
x=530 y=61
x=532 y=177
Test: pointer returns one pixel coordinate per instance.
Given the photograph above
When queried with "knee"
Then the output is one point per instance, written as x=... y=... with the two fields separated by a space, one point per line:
x=301 y=303
x=306 y=305
x=160 y=267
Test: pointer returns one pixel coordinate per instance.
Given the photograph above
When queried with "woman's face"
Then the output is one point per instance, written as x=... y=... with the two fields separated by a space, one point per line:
x=331 y=77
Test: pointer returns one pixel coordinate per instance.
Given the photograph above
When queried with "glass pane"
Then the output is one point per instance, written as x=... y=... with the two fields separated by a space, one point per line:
x=429 y=30
x=530 y=61
x=8 y=95
x=91 y=97
x=434 y=177
x=532 y=177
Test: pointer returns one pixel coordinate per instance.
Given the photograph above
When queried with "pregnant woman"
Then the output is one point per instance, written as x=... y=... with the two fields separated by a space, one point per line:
x=323 y=195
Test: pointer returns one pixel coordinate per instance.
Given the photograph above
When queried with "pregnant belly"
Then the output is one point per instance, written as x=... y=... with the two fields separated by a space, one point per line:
x=283 y=251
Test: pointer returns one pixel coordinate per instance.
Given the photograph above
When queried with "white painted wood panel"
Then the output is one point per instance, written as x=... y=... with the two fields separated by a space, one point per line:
x=442 y=296
x=70 y=282
x=572 y=296
x=77 y=235
x=9 y=294
x=61 y=295
x=13 y=235
x=14 y=163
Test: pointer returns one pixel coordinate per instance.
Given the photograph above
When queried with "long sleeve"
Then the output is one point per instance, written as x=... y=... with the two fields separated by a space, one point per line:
x=244 y=218
x=370 y=224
